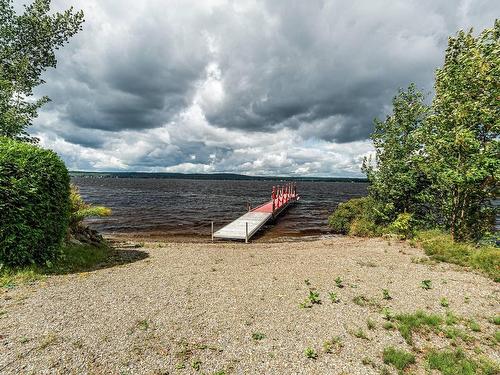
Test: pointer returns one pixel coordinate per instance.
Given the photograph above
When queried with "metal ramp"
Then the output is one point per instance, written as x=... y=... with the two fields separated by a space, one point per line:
x=247 y=225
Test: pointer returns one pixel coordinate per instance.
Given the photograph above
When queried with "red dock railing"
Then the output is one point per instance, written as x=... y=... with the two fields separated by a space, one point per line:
x=281 y=196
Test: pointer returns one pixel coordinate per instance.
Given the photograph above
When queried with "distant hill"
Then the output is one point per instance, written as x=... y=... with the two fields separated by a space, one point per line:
x=209 y=176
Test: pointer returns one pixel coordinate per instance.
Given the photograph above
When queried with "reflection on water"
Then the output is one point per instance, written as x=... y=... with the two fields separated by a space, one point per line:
x=186 y=207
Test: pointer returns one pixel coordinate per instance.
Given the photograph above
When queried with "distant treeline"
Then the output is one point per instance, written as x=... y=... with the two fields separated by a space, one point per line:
x=210 y=176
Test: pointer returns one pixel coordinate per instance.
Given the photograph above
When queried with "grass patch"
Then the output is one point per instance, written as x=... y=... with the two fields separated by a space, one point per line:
x=257 y=336
x=408 y=323
x=450 y=362
x=440 y=247
x=310 y=353
x=74 y=258
x=333 y=345
x=398 y=358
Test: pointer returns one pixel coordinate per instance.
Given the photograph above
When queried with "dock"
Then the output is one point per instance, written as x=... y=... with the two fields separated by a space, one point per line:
x=248 y=224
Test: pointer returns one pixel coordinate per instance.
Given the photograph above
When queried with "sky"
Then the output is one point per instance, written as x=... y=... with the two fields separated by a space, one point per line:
x=252 y=87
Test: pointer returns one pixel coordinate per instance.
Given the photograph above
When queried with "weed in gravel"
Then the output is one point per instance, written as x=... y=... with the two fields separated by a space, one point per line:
x=312 y=299
x=455 y=333
x=143 y=324
x=257 y=336
x=338 y=282
x=333 y=297
x=307 y=282
x=221 y=372
x=426 y=284
x=180 y=366
x=360 y=334
x=456 y=362
x=196 y=365
x=370 y=324
x=47 y=341
x=474 y=326
x=444 y=302
x=333 y=345
x=450 y=318
x=413 y=322
x=388 y=326
x=386 y=295
x=397 y=358
x=388 y=314
x=310 y=353
x=466 y=299
x=360 y=300
x=495 y=320
x=368 y=362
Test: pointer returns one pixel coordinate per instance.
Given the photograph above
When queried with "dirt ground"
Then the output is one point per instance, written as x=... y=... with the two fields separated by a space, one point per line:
x=231 y=308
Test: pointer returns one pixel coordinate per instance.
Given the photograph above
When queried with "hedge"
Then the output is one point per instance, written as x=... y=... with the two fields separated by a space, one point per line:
x=34 y=203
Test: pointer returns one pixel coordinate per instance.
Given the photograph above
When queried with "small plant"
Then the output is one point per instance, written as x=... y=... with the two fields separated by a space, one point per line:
x=385 y=294
x=310 y=353
x=426 y=284
x=143 y=324
x=334 y=344
x=196 y=365
x=450 y=318
x=496 y=320
x=360 y=300
x=338 y=282
x=367 y=361
x=257 y=336
x=388 y=314
x=360 y=334
x=333 y=297
x=474 y=326
x=307 y=282
x=444 y=302
x=466 y=299
x=314 y=297
x=370 y=324
x=180 y=366
x=398 y=358
x=388 y=326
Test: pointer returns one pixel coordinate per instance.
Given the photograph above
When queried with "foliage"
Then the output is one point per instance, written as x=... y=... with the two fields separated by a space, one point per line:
x=310 y=353
x=74 y=258
x=450 y=362
x=441 y=247
x=34 y=203
x=462 y=135
x=407 y=323
x=79 y=210
x=398 y=358
x=438 y=165
x=27 y=48
x=397 y=179
x=358 y=217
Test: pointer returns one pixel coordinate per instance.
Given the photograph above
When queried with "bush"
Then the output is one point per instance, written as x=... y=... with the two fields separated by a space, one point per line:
x=441 y=247
x=34 y=203
x=358 y=217
x=402 y=226
x=79 y=210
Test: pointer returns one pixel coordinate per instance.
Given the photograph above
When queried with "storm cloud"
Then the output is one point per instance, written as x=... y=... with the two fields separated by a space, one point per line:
x=256 y=87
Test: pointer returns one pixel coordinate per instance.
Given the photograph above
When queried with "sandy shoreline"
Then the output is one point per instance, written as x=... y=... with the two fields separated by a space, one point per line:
x=198 y=307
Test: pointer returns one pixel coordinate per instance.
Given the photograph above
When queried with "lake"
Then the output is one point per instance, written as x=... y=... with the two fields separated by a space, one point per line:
x=185 y=207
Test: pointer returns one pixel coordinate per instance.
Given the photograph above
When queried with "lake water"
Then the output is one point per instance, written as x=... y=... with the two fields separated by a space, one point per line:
x=181 y=207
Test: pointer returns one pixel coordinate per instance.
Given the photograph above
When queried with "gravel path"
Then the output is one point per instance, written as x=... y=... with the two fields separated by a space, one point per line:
x=194 y=307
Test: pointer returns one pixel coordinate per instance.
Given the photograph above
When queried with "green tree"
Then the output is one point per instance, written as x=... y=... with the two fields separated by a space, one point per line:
x=396 y=178
x=462 y=135
x=27 y=48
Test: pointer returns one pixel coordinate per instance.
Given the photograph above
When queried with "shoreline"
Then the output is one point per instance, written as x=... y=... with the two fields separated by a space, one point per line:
x=231 y=308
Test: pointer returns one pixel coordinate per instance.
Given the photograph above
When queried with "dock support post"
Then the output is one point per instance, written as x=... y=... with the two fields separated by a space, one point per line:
x=212 y=231
x=246 y=231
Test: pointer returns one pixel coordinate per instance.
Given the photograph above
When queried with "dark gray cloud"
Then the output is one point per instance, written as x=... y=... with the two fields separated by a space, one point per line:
x=189 y=85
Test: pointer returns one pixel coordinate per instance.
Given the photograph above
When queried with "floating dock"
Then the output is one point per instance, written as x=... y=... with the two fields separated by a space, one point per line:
x=247 y=225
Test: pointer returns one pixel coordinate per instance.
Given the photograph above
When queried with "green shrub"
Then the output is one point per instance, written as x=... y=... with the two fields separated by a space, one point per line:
x=440 y=246
x=358 y=217
x=403 y=225
x=456 y=362
x=79 y=210
x=34 y=203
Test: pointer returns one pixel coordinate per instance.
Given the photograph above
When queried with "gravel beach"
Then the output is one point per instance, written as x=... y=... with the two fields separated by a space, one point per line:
x=231 y=308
